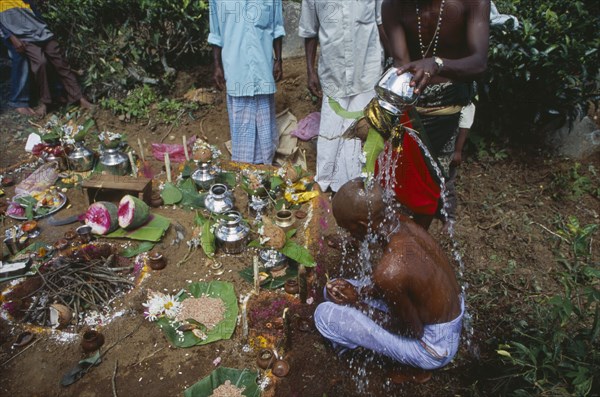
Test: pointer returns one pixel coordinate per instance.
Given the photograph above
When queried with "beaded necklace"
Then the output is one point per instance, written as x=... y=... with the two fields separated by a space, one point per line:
x=436 y=34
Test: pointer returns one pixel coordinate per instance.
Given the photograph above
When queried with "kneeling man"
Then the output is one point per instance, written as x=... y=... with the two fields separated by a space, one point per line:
x=411 y=310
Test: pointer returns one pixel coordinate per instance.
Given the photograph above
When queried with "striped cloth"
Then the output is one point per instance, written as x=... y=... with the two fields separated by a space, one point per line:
x=254 y=135
x=348 y=328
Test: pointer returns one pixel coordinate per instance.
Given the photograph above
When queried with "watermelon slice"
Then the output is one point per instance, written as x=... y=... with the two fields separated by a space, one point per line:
x=133 y=212
x=102 y=217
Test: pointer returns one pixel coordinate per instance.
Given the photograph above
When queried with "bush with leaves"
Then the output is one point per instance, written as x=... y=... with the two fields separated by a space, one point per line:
x=546 y=69
x=118 y=43
x=560 y=354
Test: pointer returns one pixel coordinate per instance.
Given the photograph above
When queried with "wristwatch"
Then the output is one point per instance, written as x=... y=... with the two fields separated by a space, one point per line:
x=439 y=63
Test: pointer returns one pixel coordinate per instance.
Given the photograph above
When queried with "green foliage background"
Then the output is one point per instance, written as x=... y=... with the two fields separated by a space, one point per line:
x=543 y=72
x=120 y=43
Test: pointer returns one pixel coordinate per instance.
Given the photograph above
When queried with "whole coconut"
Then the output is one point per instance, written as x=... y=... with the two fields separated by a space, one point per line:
x=203 y=155
x=275 y=235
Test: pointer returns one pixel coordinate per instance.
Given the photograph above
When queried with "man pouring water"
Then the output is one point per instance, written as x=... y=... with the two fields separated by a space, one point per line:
x=411 y=307
x=443 y=44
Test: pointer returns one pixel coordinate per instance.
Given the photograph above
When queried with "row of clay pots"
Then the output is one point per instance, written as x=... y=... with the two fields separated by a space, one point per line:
x=266 y=359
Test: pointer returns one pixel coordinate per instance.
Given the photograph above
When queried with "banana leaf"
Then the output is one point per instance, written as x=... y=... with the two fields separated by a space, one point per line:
x=133 y=251
x=240 y=378
x=223 y=330
x=151 y=231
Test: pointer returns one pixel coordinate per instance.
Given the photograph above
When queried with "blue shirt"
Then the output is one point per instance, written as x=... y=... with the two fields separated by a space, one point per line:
x=245 y=30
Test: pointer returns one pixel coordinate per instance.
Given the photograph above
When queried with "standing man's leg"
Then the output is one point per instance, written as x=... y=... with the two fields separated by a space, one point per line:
x=19 y=96
x=37 y=61
x=52 y=50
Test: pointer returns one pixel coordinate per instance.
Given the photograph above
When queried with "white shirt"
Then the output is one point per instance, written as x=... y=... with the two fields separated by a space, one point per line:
x=351 y=52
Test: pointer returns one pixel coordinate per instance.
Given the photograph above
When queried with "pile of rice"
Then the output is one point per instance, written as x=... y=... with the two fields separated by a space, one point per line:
x=205 y=310
x=227 y=390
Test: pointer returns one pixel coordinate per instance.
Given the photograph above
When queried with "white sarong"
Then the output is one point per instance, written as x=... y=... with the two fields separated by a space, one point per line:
x=338 y=160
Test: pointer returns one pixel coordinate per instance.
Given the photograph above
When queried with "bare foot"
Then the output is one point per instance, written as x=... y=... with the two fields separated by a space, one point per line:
x=85 y=104
x=41 y=110
x=25 y=111
x=414 y=375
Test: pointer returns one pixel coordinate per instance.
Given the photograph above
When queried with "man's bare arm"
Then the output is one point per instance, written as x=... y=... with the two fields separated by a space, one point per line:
x=478 y=33
x=310 y=49
x=395 y=33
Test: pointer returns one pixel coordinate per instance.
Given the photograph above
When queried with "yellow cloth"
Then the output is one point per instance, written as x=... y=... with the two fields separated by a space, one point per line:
x=8 y=4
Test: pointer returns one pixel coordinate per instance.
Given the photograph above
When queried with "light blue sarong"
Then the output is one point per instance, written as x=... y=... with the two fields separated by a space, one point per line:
x=254 y=135
x=349 y=327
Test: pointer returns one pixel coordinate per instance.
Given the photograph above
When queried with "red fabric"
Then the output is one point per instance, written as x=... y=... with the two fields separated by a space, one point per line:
x=414 y=186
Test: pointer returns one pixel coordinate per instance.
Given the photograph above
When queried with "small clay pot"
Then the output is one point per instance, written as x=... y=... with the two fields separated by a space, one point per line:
x=157 y=261
x=291 y=286
x=280 y=368
x=85 y=233
x=155 y=200
x=265 y=358
x=91 y=341
x=29 y=226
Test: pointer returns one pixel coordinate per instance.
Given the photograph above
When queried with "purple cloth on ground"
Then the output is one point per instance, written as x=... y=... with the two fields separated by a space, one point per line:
x=308 y=127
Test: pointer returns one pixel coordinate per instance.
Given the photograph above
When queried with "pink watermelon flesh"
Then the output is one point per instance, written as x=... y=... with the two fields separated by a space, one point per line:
x=133 y=212
x=102 y=217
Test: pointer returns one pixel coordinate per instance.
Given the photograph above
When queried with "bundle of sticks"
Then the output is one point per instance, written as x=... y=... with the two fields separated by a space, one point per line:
x=81 y=284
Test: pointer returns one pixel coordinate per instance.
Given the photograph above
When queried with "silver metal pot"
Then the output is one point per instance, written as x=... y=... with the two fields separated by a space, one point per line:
x=231 y=233
x=115 y=162
x=81 y=158
x=204 y=176
x=284 y=219
x=271 y=258
x=218 y=200
x=394 y=91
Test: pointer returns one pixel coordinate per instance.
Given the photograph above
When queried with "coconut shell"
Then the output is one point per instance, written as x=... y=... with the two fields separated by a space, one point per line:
x=60 y=315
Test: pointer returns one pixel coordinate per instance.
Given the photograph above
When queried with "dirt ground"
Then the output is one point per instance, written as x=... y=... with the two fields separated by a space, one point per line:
x=509 y=205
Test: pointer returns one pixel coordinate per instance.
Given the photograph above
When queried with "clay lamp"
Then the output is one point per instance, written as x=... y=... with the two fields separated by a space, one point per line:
x=62 y=247
x=157 y=261
x=303 y=324
x=70 y=235
x=7 y=181
x=280 y=368
x=265 y=358
x=91 y=341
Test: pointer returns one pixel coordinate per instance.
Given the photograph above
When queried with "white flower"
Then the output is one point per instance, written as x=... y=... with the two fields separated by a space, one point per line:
x=363 y=157
x=160 y=305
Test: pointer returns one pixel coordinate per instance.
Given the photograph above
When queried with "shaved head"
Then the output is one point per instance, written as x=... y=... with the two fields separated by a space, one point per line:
x=354 y=205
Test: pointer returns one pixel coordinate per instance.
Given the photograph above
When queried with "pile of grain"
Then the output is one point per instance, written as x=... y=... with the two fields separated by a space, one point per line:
x=227 y=390
x=205 y=310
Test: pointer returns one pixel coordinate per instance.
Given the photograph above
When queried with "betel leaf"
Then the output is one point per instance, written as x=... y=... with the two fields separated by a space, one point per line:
x=171 y=194
x=207 y=240
x=254 y=244
x=298 y=253
x=80 y=136
x=290 y=233
x=374 y=145
x=228 y=178
x=190 y=196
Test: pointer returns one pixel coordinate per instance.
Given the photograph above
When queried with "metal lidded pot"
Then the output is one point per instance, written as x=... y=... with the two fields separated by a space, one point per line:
x=218 y=200
x=81 y=158
x=115 y=162
x=232 y=232
x=204 y=176
x=394 y=91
